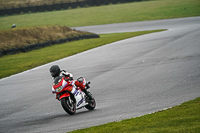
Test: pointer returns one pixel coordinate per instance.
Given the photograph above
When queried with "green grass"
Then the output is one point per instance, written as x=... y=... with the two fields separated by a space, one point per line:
x=12 y=64
x=119 y=13
x=184 y=118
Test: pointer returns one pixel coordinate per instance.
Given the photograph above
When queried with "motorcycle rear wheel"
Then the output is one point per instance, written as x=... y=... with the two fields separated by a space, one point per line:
x=92 y=103
x=68 y=105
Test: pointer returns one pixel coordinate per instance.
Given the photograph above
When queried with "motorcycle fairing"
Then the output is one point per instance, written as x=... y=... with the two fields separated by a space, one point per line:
x=60 y=81
x=79 y=96
x=69 y=88
x=64 y=95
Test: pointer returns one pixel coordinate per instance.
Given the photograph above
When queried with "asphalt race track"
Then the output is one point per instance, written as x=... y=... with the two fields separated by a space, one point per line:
x=129 y=78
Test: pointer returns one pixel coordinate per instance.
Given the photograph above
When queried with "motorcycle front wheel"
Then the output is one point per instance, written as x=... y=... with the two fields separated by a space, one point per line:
x=68 y=105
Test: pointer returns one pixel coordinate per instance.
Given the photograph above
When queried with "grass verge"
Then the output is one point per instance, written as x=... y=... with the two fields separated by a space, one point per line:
x=19 y=37
x=12 y=64
x=25 y=3
x=184 y=118
x=119 y=13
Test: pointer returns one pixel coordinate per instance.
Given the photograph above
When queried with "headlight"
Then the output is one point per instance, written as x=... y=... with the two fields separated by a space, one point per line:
x=59 y=89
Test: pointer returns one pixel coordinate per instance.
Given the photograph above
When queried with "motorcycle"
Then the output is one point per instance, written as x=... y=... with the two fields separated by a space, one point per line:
x=72 y=97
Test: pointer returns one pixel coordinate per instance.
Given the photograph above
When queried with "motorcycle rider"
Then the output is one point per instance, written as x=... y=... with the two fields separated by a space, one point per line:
x=80 y=82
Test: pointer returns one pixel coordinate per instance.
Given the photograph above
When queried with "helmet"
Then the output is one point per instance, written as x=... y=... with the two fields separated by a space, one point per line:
x=55 y=71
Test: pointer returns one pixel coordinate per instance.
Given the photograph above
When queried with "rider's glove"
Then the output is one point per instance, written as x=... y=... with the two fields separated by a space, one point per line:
x=67 y=75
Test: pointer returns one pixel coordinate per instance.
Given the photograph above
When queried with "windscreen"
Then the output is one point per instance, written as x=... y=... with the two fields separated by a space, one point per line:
x=57 y=80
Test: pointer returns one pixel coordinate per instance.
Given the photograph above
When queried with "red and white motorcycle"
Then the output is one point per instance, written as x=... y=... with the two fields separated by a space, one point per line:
x=71 y=96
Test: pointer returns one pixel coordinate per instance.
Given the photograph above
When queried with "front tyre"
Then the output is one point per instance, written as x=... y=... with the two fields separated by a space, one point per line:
x=68 y=105
x=92 y=103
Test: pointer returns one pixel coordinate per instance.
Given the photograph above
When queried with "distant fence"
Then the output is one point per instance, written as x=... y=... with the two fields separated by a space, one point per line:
x=60 y=6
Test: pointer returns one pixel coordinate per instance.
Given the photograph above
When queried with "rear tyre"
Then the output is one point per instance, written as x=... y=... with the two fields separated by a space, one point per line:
x=92 y=103
x=68 y=105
